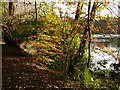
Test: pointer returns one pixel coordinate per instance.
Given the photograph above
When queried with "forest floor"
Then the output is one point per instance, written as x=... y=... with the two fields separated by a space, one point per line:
x=19 y=71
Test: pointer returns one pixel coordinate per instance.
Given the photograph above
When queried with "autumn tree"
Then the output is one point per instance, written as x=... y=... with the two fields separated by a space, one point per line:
x=86 y=35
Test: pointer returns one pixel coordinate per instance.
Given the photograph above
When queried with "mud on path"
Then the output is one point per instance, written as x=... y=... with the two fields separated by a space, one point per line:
x=17 y=73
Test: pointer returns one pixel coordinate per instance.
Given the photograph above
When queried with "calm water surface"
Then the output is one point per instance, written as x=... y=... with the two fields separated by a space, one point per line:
x=109 y=40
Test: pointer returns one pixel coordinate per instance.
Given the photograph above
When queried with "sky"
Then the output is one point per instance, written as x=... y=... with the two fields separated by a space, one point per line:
x=111 y=10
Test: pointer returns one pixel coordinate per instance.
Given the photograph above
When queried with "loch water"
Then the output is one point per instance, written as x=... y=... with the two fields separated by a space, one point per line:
x=109 y=40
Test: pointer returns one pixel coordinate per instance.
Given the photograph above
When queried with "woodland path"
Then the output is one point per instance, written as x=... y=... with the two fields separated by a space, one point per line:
x=21 y=72
x=17 y=73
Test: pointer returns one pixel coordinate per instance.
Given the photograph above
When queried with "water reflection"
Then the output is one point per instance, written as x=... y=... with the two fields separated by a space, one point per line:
x=111 y=41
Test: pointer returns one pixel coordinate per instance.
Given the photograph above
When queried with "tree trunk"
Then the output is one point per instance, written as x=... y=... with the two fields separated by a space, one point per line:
x=77 y=15
x=89 y=36
x=79 y=9
x=80 y=53
x=35 y=11
x=11 y=9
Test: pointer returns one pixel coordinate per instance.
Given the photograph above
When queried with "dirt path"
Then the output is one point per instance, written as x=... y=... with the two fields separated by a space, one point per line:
x=17 y=73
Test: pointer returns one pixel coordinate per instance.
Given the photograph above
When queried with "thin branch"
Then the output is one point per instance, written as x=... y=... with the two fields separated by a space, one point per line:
x=116 y=58
x=111 y=11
